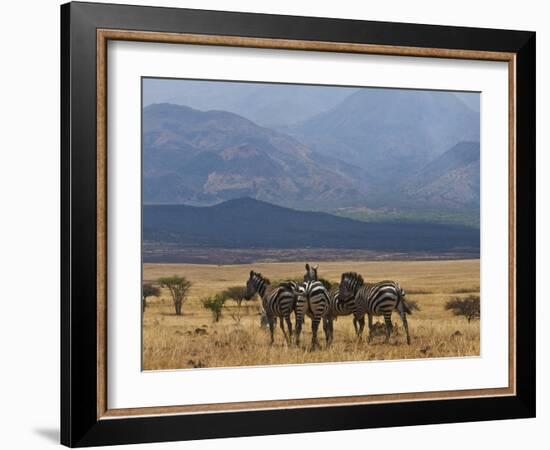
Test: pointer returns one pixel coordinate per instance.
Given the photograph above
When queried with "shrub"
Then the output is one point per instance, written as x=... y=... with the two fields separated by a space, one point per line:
x=215 y=305
x=148 y=290
x=468 y=307
x=233 y=293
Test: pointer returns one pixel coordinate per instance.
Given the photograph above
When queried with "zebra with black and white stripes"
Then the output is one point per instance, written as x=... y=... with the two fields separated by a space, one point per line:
x=312 y=300
x=375 y=299
x=311 y=273
x=339 y=306
x=278 y=301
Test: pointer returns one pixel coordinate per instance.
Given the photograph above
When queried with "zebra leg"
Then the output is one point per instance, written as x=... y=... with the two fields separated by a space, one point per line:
x=406 y=326
x=289 y=326
x=389 y=327
x=298 y=330
x=356 y=325
x=331 y=328
x=271 y=328
x=282 y=324
x=326 y=329
x=314 y=327
x=361 y=322
x=369 y=316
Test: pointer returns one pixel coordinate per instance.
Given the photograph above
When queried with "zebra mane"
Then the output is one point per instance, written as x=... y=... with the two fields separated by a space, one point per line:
x=291 y=285
x=354 y=276
x=265 y=279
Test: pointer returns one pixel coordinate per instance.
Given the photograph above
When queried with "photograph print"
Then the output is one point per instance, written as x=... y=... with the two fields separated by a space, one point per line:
x=300 y=224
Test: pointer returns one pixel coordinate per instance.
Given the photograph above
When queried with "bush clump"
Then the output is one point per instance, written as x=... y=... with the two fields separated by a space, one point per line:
x=468 y=307
x=214 y=304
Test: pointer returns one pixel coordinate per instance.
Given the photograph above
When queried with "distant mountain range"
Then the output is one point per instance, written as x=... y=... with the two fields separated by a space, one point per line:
x=206 y=157
x=390 y=133
x=450 y=181
x=203 y=158
x=247 y=223
x=267 y=104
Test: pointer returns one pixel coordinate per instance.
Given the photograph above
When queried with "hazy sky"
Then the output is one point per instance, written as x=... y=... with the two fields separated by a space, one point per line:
x=237 y=96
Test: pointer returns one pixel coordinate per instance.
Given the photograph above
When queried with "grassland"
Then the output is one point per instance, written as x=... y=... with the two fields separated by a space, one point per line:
x=194 y=340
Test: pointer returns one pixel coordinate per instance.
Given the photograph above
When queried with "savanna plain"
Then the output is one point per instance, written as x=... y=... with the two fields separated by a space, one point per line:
x=195 y=340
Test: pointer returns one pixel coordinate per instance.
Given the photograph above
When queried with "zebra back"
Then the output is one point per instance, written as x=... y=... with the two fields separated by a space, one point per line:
x=279 y=301
x=337 y=305
x=379 y=298
x=312 y=299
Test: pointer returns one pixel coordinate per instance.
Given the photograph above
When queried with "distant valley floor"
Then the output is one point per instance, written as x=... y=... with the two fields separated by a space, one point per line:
x=157 y=252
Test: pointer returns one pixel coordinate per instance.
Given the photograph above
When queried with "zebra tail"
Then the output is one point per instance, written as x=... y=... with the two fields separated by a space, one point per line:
x=406 y=307
x=309 y=304
x=403 y=303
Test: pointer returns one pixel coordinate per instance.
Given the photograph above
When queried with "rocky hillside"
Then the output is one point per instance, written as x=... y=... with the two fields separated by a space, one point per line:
x=203 y=158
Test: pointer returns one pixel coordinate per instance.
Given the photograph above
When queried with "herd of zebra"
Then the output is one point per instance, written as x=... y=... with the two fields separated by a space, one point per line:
x=351 y=297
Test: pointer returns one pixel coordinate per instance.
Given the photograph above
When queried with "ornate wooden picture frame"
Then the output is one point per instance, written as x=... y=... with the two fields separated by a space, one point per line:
x=86 y=418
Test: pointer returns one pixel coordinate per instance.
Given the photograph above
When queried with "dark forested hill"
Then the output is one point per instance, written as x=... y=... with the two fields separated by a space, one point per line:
x=247 y=223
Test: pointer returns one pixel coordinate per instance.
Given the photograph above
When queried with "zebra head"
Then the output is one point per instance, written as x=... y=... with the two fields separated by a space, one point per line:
x=263 y=319
x=350 y=284
x=256 y=284
x=311 y=273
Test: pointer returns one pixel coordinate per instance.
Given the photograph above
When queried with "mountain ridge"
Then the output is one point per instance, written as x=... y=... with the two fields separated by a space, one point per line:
x=266 y=104
x=451 y=181
x=197 y=157
x=206 y=157
x=249 y=223
x=390 y=130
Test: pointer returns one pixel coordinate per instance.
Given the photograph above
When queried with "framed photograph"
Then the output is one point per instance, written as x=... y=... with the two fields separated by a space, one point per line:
x=276 y=224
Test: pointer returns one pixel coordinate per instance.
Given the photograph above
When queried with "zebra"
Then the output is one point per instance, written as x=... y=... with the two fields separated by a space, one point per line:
x=377 y=299
x=339 y=306
x=312 y=300
x=311 y=273
x=277 y=301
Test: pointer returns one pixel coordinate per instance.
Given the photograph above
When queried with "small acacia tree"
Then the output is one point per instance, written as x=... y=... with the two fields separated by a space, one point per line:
x=215 y=305
x=148 y=290
x=468 y=307
x=178 y=287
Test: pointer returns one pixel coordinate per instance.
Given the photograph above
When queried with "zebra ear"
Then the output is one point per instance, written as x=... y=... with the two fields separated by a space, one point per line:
x=316 y=266
x=307 y=267
x=251 y=273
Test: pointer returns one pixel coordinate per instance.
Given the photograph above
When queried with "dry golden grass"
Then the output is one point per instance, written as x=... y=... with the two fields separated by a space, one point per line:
x=193 y=340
